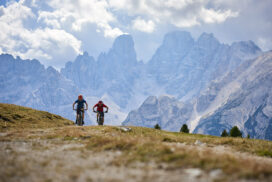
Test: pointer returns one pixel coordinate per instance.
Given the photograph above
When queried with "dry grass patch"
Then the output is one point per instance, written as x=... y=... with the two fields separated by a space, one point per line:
x=18 y=117
x=253 y=146
x=175 y=149
x=145 y=145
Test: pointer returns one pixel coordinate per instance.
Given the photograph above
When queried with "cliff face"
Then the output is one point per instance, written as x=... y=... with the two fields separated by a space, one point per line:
x=241 y=98
x=244 y=98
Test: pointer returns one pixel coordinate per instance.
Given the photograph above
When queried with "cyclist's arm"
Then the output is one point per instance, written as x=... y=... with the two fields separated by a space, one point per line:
x=94 y=107
x=86 y=105
x=106 y=108
x=74 y=105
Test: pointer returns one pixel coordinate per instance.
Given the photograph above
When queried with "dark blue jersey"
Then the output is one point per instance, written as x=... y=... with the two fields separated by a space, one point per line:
x=80 y=103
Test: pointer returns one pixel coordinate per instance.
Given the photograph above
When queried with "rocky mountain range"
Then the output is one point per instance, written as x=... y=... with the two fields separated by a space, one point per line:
x=242 y=98
x=166 y=111
x=181 y=67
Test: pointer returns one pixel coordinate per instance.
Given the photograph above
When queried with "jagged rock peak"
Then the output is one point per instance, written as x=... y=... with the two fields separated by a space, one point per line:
x=207 y=40
x=123 y=43
x=84 y=58
x=6 y=57
x=85 y=53
x=249 y=45
x=172 y=38
x=204 y=37
x=50 y=69
x=151 y=100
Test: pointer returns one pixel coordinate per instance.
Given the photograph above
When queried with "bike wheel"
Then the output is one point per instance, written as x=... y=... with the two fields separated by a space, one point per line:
x=100 y=122
x=76 y=123
x=80 y=119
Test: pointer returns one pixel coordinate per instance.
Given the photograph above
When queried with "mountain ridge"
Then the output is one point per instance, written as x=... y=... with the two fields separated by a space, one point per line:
x=181 y=67
x=219 y=106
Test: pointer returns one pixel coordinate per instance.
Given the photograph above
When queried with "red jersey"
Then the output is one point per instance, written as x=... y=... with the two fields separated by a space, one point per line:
x=100 y=107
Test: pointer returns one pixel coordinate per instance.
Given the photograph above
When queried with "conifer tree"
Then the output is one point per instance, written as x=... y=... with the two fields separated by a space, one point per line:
x=235 y=132
x=224 y=133
x=184 y=129
x=157 y=126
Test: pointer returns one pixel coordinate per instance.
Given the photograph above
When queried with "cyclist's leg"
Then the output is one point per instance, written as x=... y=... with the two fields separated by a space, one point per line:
x=98 y=117
x=77 y=116
x=102 y=118
x=83 y=115
x=81 y=118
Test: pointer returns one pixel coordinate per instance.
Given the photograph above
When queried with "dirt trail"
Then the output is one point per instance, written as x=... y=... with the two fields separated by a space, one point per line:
x=222 y=150
x=45 y=160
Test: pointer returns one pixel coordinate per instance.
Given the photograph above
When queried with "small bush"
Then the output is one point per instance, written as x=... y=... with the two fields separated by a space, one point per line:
x=224 y=134
x=265 y=153
x=184 y=129
x=235 y=132
x=157 y=126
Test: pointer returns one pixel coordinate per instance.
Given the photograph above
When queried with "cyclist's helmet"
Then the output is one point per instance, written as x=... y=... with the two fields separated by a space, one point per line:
x=100 y=102
x=80 y=97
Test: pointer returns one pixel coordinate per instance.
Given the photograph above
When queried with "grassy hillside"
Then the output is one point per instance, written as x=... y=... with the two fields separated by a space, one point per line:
x=13 y=116
x=108 y=153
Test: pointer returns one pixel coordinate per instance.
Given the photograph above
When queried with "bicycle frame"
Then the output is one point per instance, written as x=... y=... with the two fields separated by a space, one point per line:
x=100 y=118
x=79 y=118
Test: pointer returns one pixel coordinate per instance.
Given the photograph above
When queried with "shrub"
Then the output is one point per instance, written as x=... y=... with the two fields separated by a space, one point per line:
x=235 y=132
x=157 y=126
x=184 y=129
x=224 y=134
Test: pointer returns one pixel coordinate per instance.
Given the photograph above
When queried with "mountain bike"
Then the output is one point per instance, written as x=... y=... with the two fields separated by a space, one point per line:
x=100 y=118
x=79 y=119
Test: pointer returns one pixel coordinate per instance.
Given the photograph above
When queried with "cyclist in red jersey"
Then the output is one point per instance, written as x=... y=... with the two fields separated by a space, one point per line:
x=100 y=109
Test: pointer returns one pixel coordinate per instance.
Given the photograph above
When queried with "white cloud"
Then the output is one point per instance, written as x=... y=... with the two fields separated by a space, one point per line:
x=51 y=41
x=180 y=13
x=48 y=34
x=109 y=31
x=55 y=31
x=212 y=16
x=79 y=13
x=40 y=43
x=142 y=25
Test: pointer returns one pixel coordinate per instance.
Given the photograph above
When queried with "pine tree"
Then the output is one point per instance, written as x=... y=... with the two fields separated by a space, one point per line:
x=248 y=136
x=235 y=132
x=184 y=129
x=224 y=133
x=157 y=126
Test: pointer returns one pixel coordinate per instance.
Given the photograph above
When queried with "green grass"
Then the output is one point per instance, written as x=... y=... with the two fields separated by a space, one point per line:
x=265 y=152
x=13 y=116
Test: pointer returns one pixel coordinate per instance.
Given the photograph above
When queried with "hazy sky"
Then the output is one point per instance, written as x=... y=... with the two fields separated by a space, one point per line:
x=55 y=31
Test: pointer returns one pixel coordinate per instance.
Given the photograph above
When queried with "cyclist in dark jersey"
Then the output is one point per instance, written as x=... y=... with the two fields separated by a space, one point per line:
x=80 y=106
x=100 y=109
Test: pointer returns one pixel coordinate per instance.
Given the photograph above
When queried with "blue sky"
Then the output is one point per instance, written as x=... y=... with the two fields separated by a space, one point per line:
x=56 y=31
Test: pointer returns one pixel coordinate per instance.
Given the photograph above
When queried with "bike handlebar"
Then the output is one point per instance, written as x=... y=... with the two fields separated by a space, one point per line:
x=76 y=109
x=103 y=111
